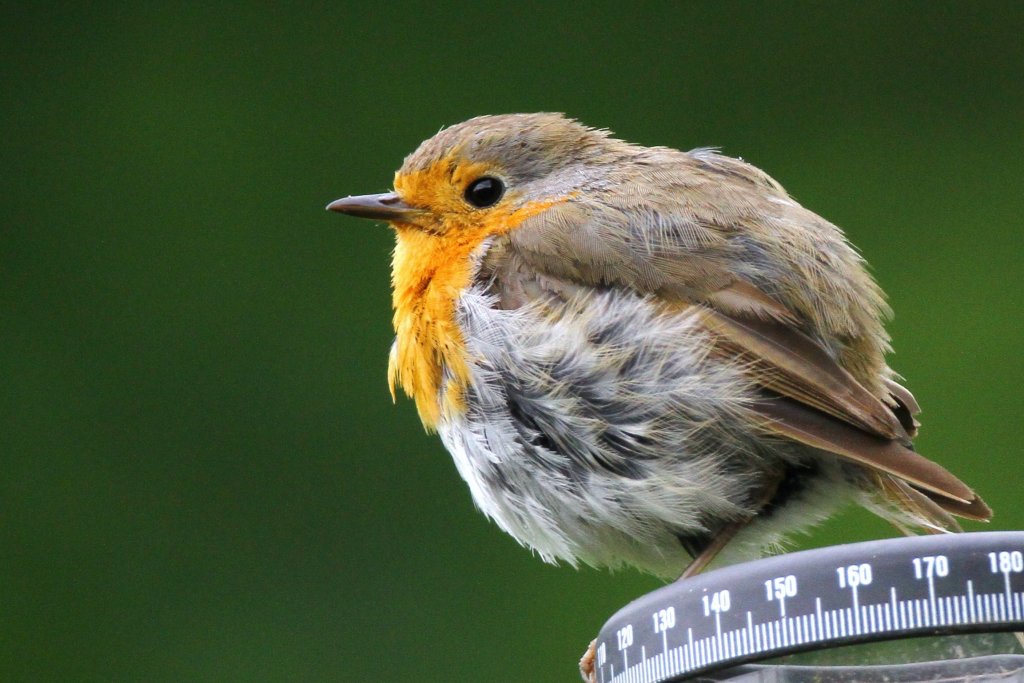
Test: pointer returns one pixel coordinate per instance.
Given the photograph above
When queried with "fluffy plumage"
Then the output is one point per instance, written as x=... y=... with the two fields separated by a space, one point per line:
x=601 y=430
x=637 y=352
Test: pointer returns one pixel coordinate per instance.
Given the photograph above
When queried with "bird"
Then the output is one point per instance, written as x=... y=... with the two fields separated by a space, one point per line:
x=642 y=356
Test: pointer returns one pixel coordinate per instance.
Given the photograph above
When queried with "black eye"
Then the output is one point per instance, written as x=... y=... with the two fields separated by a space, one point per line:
x=484 y=192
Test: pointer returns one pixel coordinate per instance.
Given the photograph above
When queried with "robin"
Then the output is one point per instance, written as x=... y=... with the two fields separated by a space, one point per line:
x=643 y=356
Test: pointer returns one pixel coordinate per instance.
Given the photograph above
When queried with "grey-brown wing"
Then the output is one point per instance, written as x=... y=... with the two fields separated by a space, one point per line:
x=704 y=228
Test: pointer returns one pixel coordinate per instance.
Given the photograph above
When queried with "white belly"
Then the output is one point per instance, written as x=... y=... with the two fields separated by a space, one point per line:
x=604 y=432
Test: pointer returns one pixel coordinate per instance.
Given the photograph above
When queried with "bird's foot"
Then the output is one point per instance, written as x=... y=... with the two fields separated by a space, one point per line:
x=587 y=663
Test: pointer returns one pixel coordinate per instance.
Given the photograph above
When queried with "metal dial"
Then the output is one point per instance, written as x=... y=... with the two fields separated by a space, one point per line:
x=878 y=590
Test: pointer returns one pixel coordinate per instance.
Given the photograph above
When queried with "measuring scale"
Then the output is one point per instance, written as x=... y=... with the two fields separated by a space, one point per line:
x=879 y=590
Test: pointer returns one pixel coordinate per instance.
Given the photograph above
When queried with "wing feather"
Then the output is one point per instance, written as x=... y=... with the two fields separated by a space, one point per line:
x=792 y=420
x=786 y=360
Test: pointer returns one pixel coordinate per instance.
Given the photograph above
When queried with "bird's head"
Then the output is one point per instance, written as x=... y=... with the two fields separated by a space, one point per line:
x=486 y=175
x=469 y=183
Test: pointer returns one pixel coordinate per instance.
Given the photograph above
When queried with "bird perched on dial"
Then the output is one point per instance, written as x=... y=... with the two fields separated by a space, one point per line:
x=637 y=355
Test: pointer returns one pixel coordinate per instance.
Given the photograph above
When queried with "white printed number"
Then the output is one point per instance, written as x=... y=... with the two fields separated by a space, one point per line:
x=930 y=566
x=1006 y=561
x=854 y=575
x=602 y=654
x=717 y=602
x=664 y=619
x=625 y=635
x=780 y=588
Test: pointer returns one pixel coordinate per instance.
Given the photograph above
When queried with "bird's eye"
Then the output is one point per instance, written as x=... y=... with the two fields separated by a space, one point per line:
x=484 y=192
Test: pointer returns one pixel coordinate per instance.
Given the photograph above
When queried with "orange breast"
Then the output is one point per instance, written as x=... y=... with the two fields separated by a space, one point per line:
x=428 y=274
x=430 y=270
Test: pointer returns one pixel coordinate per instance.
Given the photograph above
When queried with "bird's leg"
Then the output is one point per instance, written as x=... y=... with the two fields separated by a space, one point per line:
x=729 y=531
x=721 y=539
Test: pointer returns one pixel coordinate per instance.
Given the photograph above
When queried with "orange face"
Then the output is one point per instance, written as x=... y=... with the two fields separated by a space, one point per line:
x=432 y=265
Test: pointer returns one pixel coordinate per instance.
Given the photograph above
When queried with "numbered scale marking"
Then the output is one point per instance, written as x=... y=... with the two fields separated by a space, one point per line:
x=878 y=590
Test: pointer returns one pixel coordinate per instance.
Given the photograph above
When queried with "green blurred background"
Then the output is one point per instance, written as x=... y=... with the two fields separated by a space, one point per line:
x=203 y=477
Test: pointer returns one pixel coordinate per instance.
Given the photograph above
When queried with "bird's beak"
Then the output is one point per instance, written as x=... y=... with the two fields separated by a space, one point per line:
x=383 y=207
